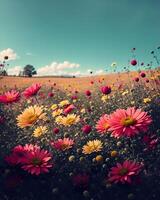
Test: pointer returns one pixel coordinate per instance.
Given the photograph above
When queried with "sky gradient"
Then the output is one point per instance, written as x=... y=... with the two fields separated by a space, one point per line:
x=88 y=33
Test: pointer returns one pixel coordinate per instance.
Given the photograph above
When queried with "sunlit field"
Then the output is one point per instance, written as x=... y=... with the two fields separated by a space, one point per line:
x=93 y=137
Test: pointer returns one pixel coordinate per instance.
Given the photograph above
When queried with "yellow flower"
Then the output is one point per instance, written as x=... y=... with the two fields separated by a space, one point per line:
x=57 y=112
x=146 y=100
x=92 y=146
x=64 y=103
x=153 y=78
x=39 y=131
x=54 y=107
x=99 y=158
x=114 y=153
x=83 y=110
x=104 y=98
x=30 y=116
x=125 y=92
x=74 y=100
x=58 y=119
x=69 y=120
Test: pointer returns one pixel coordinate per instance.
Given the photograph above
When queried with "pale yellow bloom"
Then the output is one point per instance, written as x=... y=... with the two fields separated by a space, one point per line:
x=57 y=112
x=92 y=146
x=39 y=131
x=30 y=116
x=64 y=103
x=153 y=78
x=54 y=107
x=104 y=98
x=58 y=119
x=146 y=100
x=69 y=120
x=83 y=110
x=125 y=92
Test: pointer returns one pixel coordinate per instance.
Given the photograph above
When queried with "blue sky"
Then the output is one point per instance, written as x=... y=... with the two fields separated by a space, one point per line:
x=88 y=33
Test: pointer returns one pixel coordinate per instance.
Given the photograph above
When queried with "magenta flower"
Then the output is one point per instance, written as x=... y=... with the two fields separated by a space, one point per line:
x=129 y=122
x=123 y=173
x=106 y=89
x=32 y=90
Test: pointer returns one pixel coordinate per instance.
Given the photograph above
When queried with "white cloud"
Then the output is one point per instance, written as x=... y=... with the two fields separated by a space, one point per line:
x=8 y=52
x=14 y=70
x=56 y=68
x=99 y=72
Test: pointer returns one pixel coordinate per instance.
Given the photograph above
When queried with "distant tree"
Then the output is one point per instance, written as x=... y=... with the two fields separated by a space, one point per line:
x=29 y=70
x=3 y=73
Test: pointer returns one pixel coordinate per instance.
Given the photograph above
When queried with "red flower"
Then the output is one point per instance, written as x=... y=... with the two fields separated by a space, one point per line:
x=88 y=93
x=62 y=144
x=136 y=79
x=10 y=97
x=129 y=122
x=50 y=94
x=124 y=172
x=69 y=109
x=133 y=62
x=86 y=129
x=19 y=153
x=56 y=130
x=2 y=119
x=74 y=97
x=150 y=141
x=106 y=90
x=11 y=159
x=102 y=125
x=142 y=74
x=92 y=82
x=37 y=161
x=32 y=90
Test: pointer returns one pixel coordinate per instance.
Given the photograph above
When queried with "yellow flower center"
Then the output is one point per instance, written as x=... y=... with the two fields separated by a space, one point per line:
x=106 y=126
x=128 y=121
x=123 y=171
x=32 y=118
x=9 y=98
x=70 y=120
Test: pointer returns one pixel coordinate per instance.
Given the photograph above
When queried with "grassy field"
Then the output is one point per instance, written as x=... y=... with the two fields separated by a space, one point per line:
x=92 y=138
x=79 y=83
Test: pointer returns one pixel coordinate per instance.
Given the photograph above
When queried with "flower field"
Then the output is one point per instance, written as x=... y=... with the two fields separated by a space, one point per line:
x=97 y=140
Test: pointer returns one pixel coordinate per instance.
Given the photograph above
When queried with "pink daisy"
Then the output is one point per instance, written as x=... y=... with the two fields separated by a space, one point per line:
x=124 y=172
x=103 y=124
x=10 y=97
x=69 y=109
x=11 y=159
x=62 y=144
x=129 y=122
x=37 y=161
x=32 y=90
x=19 y=153
x=30 y=147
